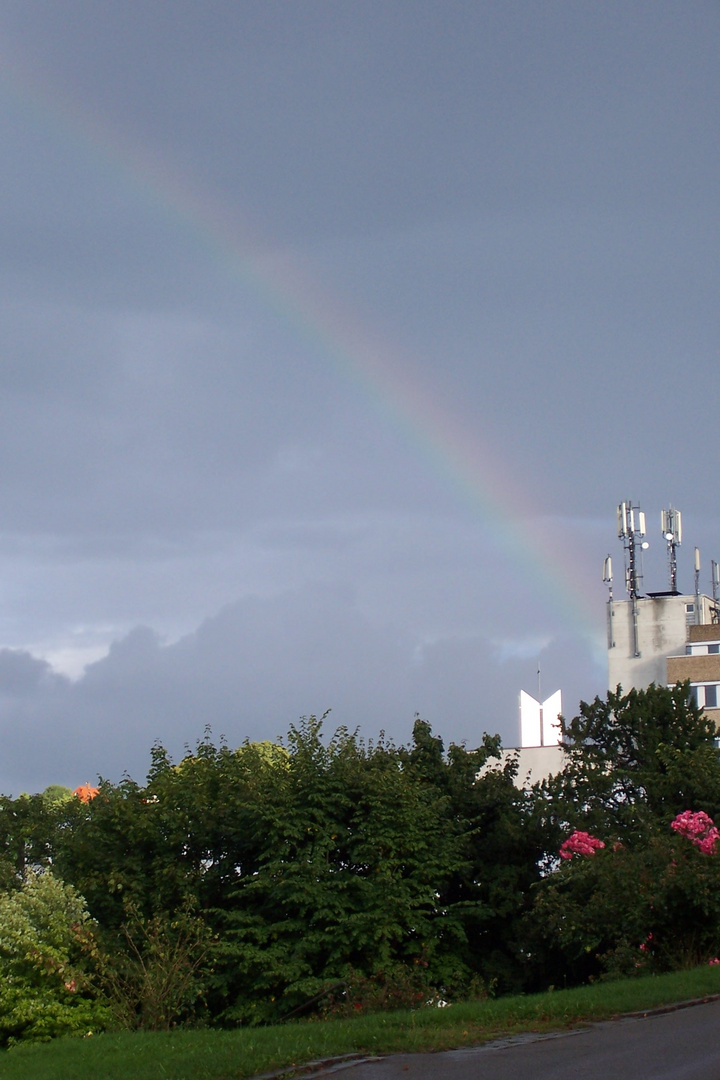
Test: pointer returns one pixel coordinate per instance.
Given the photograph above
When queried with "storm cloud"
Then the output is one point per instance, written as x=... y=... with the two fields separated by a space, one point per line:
x=331 y=337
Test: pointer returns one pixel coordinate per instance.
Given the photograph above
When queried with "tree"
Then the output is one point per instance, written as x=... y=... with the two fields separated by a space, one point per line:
x=356 y=853
x=46 y=942
x=186 y=837
x=29 y=827
x=627 y=910
x=635 y=761
x=634 y=897
x=500 y=840
x=155 y=972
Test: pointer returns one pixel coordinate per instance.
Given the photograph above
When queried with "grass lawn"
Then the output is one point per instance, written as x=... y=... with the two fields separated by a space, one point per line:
x=234 y=1055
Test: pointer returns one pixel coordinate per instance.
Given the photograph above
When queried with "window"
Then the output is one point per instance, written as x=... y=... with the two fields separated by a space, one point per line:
x=711 y=697
x=714 y=648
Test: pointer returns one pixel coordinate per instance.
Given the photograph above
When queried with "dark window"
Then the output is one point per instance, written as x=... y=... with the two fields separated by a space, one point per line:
x=711 y=699
x=714 y=648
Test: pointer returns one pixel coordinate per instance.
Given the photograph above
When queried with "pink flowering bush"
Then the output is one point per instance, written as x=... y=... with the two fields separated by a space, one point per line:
x=634 y=908
x=580 y=843
x=647 y=944
x=698 y=828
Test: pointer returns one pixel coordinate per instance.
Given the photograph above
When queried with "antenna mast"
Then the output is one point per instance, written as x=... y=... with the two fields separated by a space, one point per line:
x=697 y=585
x=715 y=571
x=671 y=528
x=608 y=579
x=631 y=529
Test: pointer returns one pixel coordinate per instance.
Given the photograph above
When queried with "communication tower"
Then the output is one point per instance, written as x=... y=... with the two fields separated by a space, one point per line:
x=671 y=528
x=663 y=637
x=608 y=580
x=631 y=530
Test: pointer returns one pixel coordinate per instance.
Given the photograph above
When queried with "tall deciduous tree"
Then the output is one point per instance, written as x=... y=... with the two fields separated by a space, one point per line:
x=634 y=761
x=356 y=854
x=500 y=841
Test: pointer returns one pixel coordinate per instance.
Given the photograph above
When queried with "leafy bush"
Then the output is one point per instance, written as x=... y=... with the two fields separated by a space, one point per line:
x=156 y=975
x=633 y=910
x=46 y=943
x=401 y=986
x=239 y=886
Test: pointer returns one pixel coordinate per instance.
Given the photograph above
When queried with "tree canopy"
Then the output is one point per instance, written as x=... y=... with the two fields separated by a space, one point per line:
x=242 y=885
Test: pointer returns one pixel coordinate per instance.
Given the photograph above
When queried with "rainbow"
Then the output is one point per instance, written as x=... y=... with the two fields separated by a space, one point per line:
x=467 y=465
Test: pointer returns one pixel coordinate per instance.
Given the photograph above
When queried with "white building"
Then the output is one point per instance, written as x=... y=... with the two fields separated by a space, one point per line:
x=643 y=632
x=659 y=637
x=540 y=753
x=663 y=637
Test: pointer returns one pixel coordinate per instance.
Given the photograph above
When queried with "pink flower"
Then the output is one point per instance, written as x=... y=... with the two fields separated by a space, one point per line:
x=580 y=843
x=714 y=961
x=698 y=828
x=645 y=945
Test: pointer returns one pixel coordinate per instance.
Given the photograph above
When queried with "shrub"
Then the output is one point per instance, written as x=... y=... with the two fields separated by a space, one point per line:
x=633 y=910
x=156 y=974
x=46 y=945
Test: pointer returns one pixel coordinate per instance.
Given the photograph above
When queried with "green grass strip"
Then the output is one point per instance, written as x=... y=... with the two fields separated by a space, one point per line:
x=206 y=1054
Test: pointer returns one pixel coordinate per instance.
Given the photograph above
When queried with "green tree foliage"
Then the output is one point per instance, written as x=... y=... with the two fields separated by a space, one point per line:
x=627 y=910
x=154 y=974
x=46 y=942
x=647 y=900
x=501 y=841
x=29 y=830
x=56 y=793
x=354 y=859
x=381 y=859
x=183 y=838
x=243 y=885
x=316 y=861
x=634 y=761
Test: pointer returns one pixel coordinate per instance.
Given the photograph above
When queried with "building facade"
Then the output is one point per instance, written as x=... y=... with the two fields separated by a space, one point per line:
x=645 y=631
x=662 y=637
x=700 y=663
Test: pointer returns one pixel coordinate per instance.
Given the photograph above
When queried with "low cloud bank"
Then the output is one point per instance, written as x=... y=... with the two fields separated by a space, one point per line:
x=249 y=672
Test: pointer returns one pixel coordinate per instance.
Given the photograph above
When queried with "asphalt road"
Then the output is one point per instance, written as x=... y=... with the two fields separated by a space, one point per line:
x=679 y=1045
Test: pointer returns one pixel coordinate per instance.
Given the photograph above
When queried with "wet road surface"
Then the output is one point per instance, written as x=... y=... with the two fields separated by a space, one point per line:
x=679 y=1045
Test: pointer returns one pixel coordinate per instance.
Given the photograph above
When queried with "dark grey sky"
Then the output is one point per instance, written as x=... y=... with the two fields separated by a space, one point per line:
x=332 y=333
